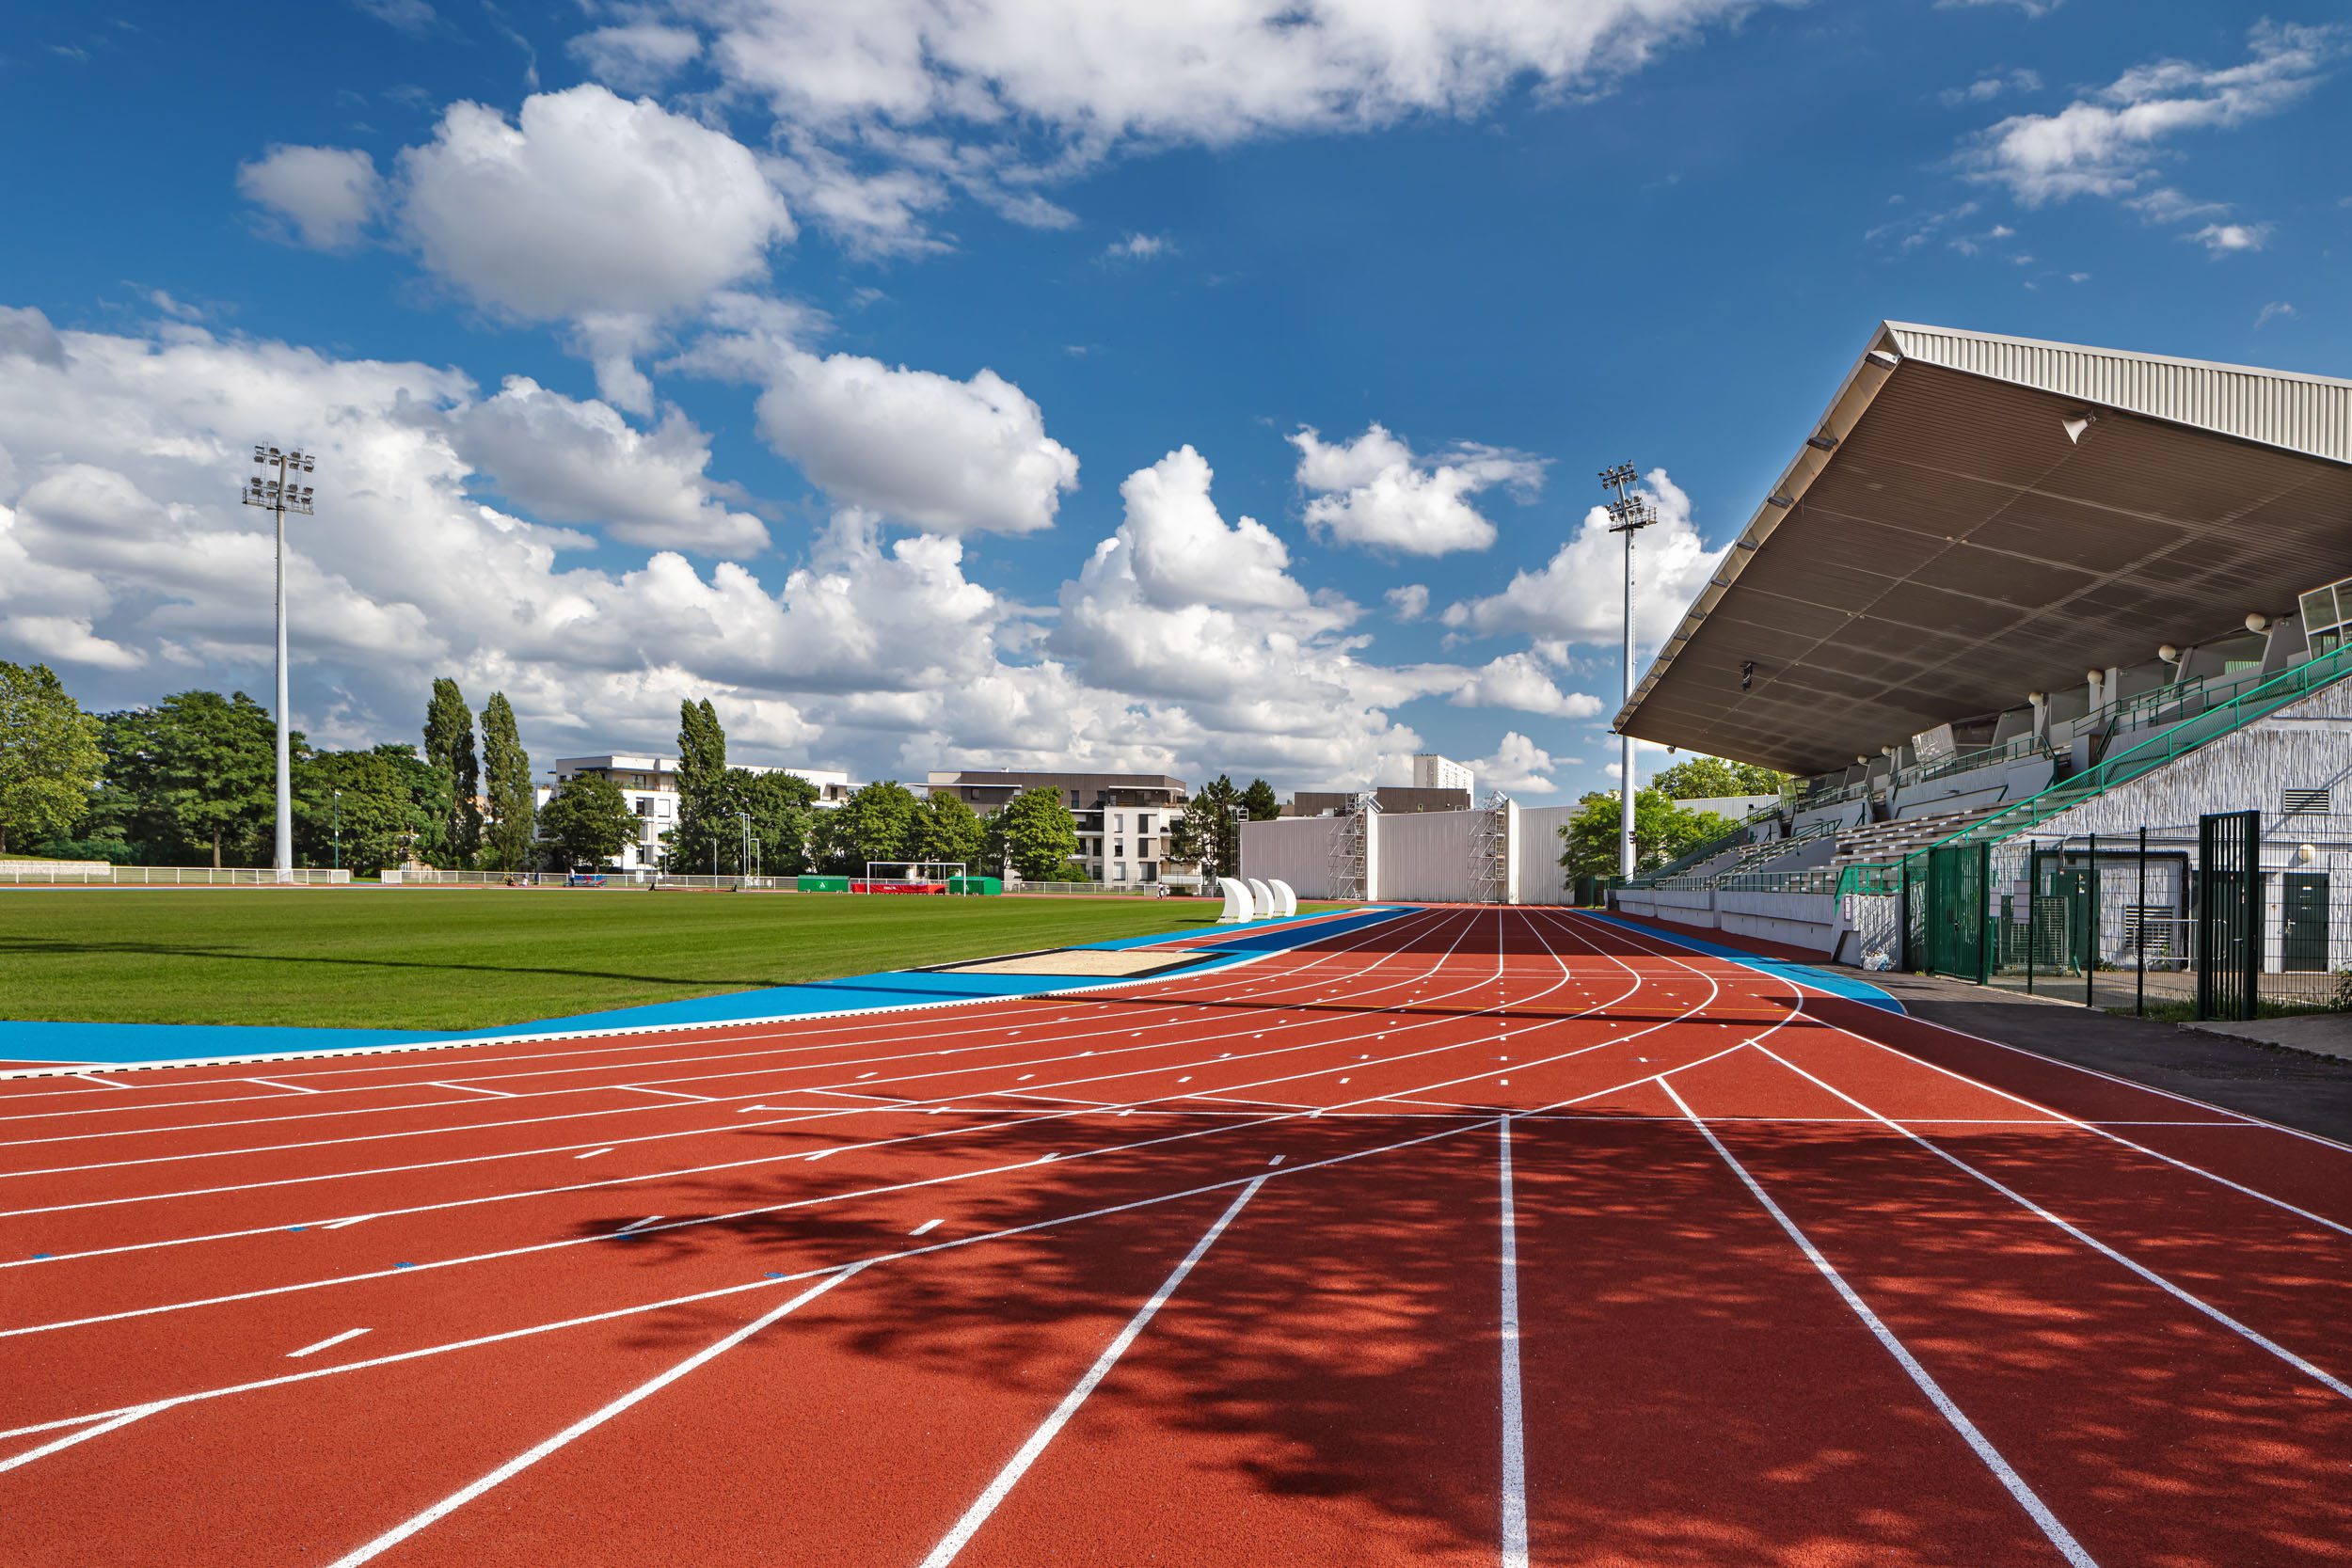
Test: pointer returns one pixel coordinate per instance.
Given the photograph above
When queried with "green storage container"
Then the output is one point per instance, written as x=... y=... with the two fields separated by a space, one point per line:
x=824 y=884
x=989 y=887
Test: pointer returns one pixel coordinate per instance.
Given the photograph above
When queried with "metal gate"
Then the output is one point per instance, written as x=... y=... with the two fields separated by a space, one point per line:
x=2229 y=914
x=1958 y=874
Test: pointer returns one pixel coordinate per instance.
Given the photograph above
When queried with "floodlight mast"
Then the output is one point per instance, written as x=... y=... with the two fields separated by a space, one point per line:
x=279 y=496
x=1630 y=512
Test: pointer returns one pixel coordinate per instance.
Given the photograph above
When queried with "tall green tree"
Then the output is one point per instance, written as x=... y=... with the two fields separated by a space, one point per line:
x=1261 y=801
x=204 y=770
x=1038 y=834
x=590 y=819
x=706 y=793
x=1707 y=778
x=449 y=748
x=506 y=768
x=783 y=819
x=947 y=830
x=1209 y=830
x=364 y=810
x=1662 y=831
x=875 y=823
x=50 y=759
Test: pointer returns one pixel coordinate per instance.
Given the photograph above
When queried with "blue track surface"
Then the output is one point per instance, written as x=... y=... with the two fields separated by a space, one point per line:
x=1819 y=979
x=127 y=1044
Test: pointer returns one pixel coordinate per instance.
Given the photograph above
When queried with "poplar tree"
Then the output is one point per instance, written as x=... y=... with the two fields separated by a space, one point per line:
x=448 y=747
x=507 y=767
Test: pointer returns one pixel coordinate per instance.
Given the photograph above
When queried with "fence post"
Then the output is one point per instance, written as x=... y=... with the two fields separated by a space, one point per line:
x=2091 y=929
x=2033 y=886
x=2139 y=940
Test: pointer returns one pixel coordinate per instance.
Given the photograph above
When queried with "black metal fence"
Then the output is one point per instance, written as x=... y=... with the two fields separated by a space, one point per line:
x=2235 y=916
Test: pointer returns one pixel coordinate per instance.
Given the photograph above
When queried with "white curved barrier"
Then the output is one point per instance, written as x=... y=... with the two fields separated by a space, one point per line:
x=1262 y=896
x=1285 y=901
x=1237 y=901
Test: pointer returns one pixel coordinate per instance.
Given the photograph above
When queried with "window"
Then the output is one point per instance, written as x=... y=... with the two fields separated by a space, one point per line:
x=644 y=806
x=1119 y=823
x=1119 y=871
x=1119 y=848
x=2304 y=802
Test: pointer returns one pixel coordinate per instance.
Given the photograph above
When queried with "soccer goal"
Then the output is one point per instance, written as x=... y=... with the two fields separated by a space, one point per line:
x=914 y=876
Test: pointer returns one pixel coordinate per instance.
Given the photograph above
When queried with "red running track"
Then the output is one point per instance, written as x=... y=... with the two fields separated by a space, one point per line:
x=1474 y=1237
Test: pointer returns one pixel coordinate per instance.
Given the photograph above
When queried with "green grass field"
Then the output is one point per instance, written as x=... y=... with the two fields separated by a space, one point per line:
x=368 y=957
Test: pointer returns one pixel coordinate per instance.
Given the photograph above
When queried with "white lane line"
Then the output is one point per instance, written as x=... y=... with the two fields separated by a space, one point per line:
x=640 y=1088
x=636 y=1225
x=953 y=1543
x=925 y=1229
x=325 y=1343
x=338 y=1225
x=2058 y=1534
x=124 y=1420
x=475 y=1088
x=2327 y=1380
x=102 y=1082
x=1513 y=1418
x=594 y=1152
x=274 y=1083
x=588 y=1423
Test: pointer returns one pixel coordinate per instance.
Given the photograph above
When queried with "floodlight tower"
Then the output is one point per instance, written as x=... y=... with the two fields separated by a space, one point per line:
x=285 y=493
x=1630 y=512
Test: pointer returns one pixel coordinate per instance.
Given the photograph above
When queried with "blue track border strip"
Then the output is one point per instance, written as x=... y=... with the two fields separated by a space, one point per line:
x=41 y=1047
x=1806 y=974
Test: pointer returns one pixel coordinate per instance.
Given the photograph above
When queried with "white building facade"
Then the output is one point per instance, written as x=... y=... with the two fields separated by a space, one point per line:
x=1432 y=771
x=649 y=782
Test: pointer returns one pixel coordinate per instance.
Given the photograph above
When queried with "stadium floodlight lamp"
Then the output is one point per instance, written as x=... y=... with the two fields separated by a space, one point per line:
x=1784 y=502
x=1885 y=359
x=1822 y=442
x=278 y=495
x=1618 y=478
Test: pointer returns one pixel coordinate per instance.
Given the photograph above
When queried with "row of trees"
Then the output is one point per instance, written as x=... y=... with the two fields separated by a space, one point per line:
x=194 y=778
x=1663 y=827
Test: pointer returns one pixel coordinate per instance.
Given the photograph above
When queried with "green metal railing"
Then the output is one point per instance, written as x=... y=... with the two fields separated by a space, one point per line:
x=2258 y=701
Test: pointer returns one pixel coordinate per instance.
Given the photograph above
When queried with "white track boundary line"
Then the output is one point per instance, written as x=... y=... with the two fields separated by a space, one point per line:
x=961 y=1534
x=2057 y=1533
x=2333 y=1384
x=1514 y=1408
x=138 y=1411
x=586 y=1424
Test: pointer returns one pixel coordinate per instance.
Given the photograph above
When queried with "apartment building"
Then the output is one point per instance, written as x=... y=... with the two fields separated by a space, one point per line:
x=1123 y=819
x=650 y=783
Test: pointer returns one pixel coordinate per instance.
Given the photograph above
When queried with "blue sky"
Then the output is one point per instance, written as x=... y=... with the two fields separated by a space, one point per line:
x=907 y=377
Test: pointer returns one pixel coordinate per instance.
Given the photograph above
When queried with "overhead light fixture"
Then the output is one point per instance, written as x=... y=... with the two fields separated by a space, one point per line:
x=1884 y=358
x=1747 y=674
x=2074 y=424
x=2256 y=621
x=1821 y=443
x=1782 y=501
x=2169 y=654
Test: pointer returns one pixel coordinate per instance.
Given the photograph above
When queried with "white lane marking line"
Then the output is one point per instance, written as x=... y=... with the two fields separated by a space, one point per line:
x=475 y=1088
x=2058 y=1534
x=338 y=1225
x=925 y=1229
x=1275 y=1161
x=134 y=1413
x=674 y=1094
x=636 y=1225
x=325 y=1343
x=1514 y=1417
x=588 y=1423
x=102 y=1082
x=2329 y=1380
x=594 y=1152
x=274 y=1083
x=953 y=1543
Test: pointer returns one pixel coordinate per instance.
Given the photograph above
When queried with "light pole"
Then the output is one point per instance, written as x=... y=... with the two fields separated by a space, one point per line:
x=280 y=496
x=1628 y=514
x=338 y=829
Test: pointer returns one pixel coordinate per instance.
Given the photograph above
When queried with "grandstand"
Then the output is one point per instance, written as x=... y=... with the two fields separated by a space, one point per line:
x=2010 y=594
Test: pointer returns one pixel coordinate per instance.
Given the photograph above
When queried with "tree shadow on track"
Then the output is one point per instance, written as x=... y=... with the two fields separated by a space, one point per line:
x=1697 y=1396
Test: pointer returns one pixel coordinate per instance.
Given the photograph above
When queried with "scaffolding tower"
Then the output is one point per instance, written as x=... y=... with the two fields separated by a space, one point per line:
x=1350 y=851
x=1491 y=851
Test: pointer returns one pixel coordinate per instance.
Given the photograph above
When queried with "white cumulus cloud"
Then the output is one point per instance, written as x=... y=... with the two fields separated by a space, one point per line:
x=1578 y=595
x=1374 y=491
x=324 y=195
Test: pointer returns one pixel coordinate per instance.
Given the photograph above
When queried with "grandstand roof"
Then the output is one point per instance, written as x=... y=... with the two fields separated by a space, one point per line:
x=1951 y=536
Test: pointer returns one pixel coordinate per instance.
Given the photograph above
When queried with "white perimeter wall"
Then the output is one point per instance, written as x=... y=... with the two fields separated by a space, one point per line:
x=1425 y=855
x=1294 y=850
x=1537 y=851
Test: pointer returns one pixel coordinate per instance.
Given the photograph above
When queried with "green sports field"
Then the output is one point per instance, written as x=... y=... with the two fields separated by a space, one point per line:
x=412 y=958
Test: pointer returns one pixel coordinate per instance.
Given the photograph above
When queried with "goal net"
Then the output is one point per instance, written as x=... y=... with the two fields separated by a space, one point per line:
x=914 y=876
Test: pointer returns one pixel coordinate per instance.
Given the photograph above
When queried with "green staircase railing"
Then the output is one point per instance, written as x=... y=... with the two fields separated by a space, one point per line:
x=2166 y=745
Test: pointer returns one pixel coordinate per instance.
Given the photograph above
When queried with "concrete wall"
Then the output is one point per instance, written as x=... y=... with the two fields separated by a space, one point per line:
x=1808 y=920
x=1294 y=850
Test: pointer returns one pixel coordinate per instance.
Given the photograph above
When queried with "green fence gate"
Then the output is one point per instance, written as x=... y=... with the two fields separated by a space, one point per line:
x=1957 y=877
x=2229 y=914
